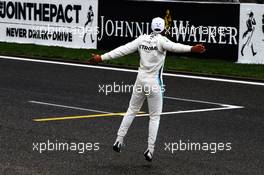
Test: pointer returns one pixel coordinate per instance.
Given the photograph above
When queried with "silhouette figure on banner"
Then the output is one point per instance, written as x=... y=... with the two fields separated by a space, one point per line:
x=248 y=34
x=168 y=22
x=89 y=23
x=263 y=25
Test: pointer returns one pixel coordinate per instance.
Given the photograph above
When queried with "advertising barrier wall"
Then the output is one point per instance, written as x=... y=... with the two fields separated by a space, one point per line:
x=251 y=46
x=66 y=23
x=228 y=30
x=216 y=25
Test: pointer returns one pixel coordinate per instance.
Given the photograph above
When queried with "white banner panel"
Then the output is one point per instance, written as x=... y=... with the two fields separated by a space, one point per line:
x=66 y=23
x=251 y=45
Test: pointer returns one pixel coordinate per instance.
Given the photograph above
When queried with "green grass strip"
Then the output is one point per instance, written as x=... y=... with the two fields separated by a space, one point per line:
x=173 y=63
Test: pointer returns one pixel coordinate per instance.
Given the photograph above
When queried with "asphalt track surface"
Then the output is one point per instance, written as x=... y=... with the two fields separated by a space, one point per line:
x=32 y=90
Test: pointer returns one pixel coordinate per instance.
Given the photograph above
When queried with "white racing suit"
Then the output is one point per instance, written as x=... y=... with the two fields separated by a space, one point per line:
x=152 y=50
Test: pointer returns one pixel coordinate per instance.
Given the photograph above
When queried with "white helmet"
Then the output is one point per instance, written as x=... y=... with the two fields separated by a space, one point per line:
x=157 y=25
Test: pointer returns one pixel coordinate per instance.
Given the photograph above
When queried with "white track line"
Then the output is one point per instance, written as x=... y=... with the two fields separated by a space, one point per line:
x=135 y=71
x=195 y=111
x=68 y=107
x=197 y=101
x=223 y=107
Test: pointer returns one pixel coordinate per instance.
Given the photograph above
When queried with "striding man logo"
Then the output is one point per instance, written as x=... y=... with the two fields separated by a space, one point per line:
x=168 y=22
x=263 y=25
x=248 y=34
x=88 y=25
